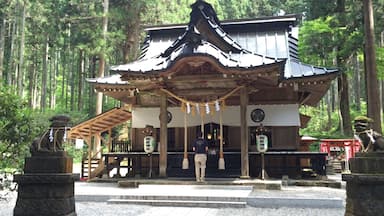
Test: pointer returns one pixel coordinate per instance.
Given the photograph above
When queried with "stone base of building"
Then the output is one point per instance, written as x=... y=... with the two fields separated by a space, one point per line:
x=365 y=185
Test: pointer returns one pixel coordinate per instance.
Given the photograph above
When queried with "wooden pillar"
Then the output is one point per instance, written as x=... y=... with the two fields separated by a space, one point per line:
x=90 y=152
x=244 y=133
x=109 y=139
x=163 y=136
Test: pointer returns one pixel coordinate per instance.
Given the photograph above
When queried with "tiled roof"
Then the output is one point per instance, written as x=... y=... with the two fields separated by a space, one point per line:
x=216 y=44
x=295 y=69
x=244 y=59
x=112 y=79
x=205 y=37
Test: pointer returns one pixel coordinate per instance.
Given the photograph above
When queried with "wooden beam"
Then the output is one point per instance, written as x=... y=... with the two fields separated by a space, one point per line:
x=244 y=133
x=163 y=136
x=217 y=92
x=202 y=77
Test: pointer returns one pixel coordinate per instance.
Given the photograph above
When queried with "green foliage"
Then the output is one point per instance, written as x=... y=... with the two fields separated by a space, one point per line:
x=318 y=126
x=15 y=129
x=77 y=154
x=316 y=41
x=19 y=126
x=380 y=61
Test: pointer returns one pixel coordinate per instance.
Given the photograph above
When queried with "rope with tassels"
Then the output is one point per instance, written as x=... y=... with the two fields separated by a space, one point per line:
x=210 y=106
x=53 y=136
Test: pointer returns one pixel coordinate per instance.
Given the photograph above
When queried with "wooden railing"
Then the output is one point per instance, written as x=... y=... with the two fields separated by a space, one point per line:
x=277 y=163
x=121 y=146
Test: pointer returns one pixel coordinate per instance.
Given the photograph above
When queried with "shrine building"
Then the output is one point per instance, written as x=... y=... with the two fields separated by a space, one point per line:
x=230 y=80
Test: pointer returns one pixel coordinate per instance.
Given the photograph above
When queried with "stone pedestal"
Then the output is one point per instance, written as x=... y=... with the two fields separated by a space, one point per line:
x=47 y=186
x=365 y=185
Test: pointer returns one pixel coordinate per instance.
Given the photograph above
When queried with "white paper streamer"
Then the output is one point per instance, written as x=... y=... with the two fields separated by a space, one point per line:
x=188 y=108
x=65 y=134
x=217 y=105
x=51 y=135
x=198 y=108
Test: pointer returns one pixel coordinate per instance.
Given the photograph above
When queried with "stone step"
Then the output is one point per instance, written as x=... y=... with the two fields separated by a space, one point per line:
x=295 y=202
x=181 y=203
x=214 y=196
x=183 y=198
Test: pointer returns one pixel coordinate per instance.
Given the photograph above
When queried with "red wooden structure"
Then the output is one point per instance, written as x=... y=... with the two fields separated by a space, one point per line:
x=340 y=147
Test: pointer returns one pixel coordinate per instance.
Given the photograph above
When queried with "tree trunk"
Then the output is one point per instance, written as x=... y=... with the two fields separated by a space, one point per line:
x=80 y=82
x=92 y=73
x=72 y=76
x=11 y=53
x=31 y=83
x=382 y=96
x=329 y=110
x=20 y=78
x=333 y=97
x=132 y=32
x=346 y=124
x=372 y=87
x=43 y=102
x=342 y=80
x=68 y=80
x=2 y=42
x=49 y=81
x=66 y=68
x=382 y=81
x=99 y=98
x=357 y=81
x=63 y=89
x=53 y=80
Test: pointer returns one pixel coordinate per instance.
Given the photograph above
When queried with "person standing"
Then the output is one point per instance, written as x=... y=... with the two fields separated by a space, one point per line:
x=200 y=147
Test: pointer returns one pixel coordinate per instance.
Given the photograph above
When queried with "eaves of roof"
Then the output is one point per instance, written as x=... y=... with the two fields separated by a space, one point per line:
x=242 y=60
x=296 y=70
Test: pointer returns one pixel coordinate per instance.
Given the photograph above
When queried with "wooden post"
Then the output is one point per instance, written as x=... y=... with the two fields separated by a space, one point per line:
x=163 y=136
x=185 y=164
x=244 y=133
x=90 y=152
x=110 y=139
x=221 y=154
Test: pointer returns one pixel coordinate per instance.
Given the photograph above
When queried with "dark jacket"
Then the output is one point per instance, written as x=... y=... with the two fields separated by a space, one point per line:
x=200 y=146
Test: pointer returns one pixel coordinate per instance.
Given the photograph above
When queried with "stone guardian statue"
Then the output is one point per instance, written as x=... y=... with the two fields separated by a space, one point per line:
x=47 y=185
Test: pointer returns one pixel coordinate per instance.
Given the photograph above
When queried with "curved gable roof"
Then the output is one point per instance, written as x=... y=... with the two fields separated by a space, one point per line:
x=202 y=37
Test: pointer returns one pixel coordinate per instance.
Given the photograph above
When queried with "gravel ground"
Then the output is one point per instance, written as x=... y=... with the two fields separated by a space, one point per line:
x=102 y=208
x=88 y=209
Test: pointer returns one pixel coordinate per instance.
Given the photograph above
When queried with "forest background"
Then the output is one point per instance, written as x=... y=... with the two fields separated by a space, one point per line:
x=49 y=47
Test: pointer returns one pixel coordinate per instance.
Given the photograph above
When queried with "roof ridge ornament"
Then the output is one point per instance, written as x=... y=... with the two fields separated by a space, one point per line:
x=204 y=8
